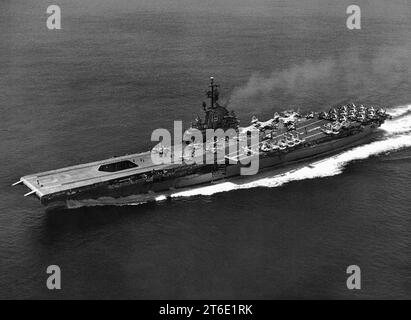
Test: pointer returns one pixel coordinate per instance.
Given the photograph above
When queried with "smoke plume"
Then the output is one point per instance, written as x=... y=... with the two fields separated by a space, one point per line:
x=349 y=76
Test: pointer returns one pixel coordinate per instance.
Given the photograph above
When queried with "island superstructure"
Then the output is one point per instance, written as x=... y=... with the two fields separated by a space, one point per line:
x=287 y=138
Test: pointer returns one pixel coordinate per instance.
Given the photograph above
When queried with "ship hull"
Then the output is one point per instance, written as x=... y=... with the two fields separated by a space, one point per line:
x=286 y=139
x=149 y=191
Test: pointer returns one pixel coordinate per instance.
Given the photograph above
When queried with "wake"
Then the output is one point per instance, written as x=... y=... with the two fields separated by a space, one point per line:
x=396 y=135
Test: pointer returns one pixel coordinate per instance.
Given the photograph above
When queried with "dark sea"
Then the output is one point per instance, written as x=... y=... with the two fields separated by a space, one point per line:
x=117 y=70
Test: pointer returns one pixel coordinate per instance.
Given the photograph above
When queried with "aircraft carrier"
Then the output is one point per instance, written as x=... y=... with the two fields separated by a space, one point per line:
x=287 y=138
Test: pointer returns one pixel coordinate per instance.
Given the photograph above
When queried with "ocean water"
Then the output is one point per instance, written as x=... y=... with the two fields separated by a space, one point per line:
x=119 y=69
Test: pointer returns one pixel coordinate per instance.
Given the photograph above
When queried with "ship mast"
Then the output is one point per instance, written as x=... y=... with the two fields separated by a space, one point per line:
x=213 y=93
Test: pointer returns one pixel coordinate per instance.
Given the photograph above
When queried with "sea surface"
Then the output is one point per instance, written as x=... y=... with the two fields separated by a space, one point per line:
x=117 y=70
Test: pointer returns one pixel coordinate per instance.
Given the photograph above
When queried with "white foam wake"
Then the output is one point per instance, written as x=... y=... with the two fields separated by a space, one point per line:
x=396 y=112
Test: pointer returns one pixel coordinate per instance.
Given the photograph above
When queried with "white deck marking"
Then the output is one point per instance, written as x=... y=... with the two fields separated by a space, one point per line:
x=313 y=135
x=313 y=129
x=312 y=123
